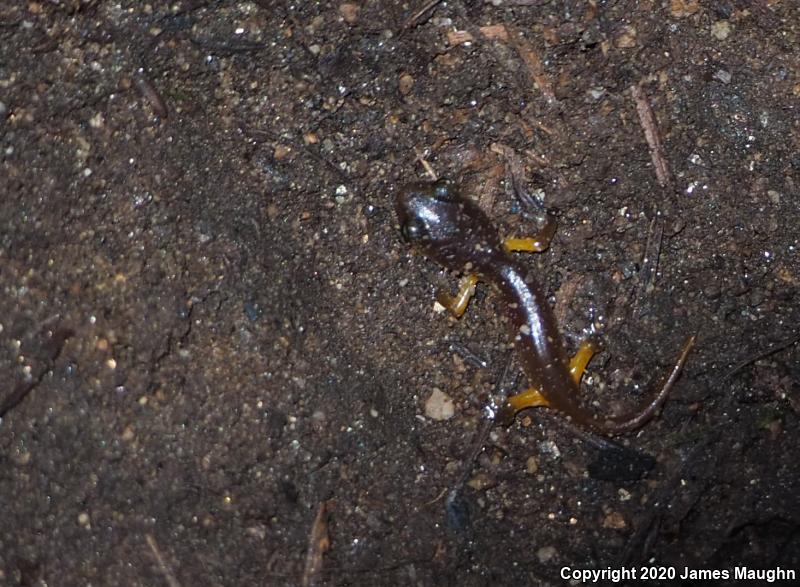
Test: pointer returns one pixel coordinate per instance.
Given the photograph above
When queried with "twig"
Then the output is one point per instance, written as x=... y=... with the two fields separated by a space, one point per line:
x=523 y=48
x=52 y=348
x=516 y=180
x=647 y=529
x=162 y=564
x=505 y=383
x=762 y=355
x=648 y=121
x=492 y=31
x=262 y=135
x=532 y=62
x=424 y=162
x=456 y=511
x=412 y=20
x=226 y=46
x=149 y=92
x=470 y=357
x=318 y=544
x=506 y=33
x=649 y=271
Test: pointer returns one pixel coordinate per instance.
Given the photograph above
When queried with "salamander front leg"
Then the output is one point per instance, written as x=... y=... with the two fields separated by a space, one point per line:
x=457 y=304
x=537 y=243
x=533 y=244
x=533 y=398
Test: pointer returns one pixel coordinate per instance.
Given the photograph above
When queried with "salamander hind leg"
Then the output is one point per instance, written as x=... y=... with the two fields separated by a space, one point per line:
x=578 y=363
x=530 y=398
x=533 y=398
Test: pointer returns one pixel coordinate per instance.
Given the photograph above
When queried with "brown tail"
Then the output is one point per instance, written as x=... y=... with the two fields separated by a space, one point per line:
x=629 y=422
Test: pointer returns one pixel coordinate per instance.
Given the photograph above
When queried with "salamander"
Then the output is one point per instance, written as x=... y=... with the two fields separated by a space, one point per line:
x=454 y=232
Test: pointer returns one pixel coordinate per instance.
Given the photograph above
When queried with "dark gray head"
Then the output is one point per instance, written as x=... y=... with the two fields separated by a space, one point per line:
x=447 y=228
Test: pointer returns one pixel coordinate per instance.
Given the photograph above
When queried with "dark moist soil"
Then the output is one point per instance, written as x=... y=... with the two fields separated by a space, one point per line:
x=211 y=331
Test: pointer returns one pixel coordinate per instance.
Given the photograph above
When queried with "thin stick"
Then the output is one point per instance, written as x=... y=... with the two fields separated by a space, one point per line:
x=318 y=544
x=479 y=441
x=762 y=355
x=649 y=271
x=415 y=18
x=648 y=121
x=162 y=564
x=493 y=31
x=52 y=348
x=661 y=501
x=424 y=162
x=149 y=92
x=533 y=63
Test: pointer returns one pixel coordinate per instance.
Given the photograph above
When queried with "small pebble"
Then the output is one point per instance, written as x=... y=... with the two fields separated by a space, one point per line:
x=406 y=83
x=721 y=30
x=626 y=39
x=683 y=8
x=723 y=76
x=615 y=521
x=128 y=434
x=597 y=93
x=439 y=406
x=281 y=152
x=349 y=12
x=546 y=553
x=549 y=448
x=480 y=482
x=253 y=311
x=22 y=458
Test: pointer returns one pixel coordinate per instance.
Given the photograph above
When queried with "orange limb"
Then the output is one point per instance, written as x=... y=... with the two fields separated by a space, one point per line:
x=457 y=304
x=533 y=398
x=533 y=244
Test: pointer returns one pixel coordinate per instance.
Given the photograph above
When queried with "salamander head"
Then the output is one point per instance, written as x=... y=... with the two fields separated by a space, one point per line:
x=445 y=227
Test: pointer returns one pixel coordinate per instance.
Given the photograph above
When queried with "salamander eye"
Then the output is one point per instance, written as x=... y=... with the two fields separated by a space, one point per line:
x=445 y=191
x=413 y=230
